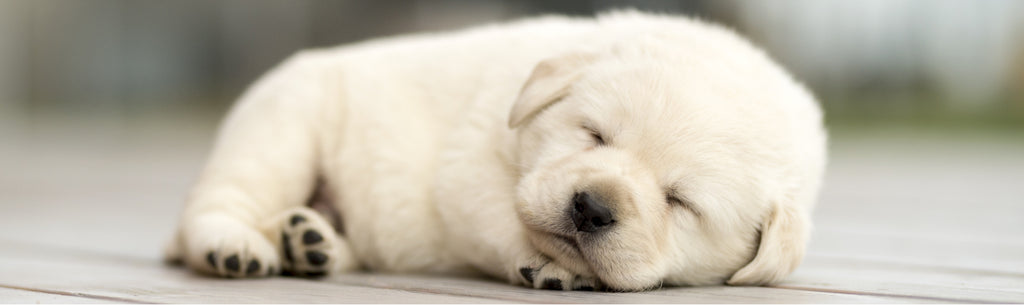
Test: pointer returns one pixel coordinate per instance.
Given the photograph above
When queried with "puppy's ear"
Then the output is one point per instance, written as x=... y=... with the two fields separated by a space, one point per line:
x=784 y=236
x=548 y=83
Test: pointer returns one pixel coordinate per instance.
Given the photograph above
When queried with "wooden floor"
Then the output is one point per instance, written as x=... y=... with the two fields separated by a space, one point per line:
x=85 y=210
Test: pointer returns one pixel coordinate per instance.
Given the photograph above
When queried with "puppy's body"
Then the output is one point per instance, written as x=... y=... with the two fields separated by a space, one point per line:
x=412 y=137
x=410 y=103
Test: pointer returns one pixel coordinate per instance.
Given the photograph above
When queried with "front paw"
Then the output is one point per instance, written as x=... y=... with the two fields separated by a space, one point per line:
x=540 y=272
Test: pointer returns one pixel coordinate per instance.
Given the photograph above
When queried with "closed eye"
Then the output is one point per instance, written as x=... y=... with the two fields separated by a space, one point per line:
x=595 y=136
x=685 y=204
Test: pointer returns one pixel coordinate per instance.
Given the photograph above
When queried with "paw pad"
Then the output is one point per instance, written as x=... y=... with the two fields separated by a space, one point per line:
x=552 y=284
x=254 y=265
x=297 y=219
x=212 y=259
x=232 y=263
x=311 y=237
x=316 y=258
x=308 y=244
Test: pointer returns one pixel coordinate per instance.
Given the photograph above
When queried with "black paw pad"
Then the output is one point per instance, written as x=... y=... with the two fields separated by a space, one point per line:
x=552 y=284
x=316 y=258
x=212 y=259
x=286 y=243
x=232 y=263
x=585 y=288
x=315 y=274
x=297 y=219
x=254 y=265
x=311 y=237
x=527 y=273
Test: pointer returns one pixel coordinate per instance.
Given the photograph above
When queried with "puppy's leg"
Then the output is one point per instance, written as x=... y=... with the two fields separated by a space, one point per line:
x=536 y=270
x=265 y=162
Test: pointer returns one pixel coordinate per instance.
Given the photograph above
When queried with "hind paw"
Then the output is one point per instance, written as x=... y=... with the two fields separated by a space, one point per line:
x=309 y=245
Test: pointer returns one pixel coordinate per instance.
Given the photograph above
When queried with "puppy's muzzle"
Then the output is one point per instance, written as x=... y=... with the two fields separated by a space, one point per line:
x=590 y=214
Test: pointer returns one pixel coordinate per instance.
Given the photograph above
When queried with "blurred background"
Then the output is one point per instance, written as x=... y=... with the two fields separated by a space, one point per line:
x=118 y=100
x=871 y=60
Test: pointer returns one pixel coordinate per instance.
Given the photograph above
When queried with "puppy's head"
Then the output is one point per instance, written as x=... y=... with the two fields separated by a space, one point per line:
x=642 y=171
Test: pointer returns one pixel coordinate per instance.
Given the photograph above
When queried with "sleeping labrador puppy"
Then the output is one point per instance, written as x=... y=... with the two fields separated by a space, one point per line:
x=623 y=152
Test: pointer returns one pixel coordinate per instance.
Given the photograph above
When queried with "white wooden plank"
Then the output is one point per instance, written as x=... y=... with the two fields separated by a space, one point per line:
x=779 y=295
x=95 y=216
x=934 y=220
x=502 y=291
x=928 y=218
x=9 y=295
x=99 y=185
x=897 y=279
x=144 y=280
x=984 y=255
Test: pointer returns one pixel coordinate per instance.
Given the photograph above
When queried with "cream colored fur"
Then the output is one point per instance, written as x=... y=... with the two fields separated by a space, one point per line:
x=460 y=153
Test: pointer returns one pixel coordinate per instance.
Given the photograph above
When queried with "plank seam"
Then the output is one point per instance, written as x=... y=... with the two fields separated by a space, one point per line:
x=912 y=266
x=429 y=291
x=892 y=295
x=76 y=294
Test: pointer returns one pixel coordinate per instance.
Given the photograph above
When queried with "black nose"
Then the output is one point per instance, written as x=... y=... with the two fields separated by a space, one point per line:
x=589 y=213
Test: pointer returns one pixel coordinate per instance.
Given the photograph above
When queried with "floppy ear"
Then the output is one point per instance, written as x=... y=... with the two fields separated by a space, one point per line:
x=783 y=242
x=548 y=83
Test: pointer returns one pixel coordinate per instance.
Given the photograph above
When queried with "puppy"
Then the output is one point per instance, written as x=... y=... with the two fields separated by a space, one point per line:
x=623 y=152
